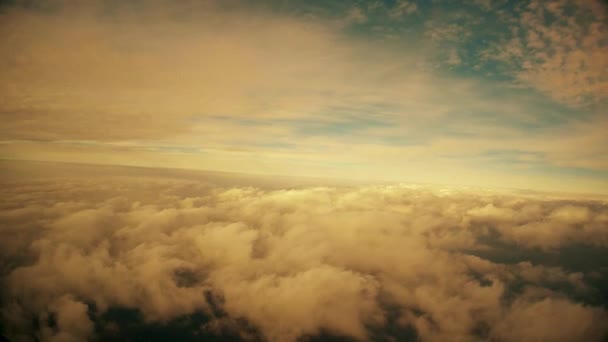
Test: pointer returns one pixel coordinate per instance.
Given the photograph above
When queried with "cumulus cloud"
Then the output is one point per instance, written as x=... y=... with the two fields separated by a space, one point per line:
x=283 y=263
x=550 y=319
x=71 y=321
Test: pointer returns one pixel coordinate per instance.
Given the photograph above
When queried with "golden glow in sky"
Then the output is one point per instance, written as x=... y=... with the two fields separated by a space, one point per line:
x=485 y=93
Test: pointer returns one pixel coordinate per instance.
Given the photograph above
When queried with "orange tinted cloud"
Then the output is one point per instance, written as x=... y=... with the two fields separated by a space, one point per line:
x=292 y=261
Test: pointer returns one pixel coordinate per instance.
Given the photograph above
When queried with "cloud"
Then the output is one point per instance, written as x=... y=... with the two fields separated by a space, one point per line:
x=164 y=69
x=286 y=262
x=558 y=48
x=537 y=320
x=159 y=66
x=71 y=319
x=402 y=8
x=355 y=15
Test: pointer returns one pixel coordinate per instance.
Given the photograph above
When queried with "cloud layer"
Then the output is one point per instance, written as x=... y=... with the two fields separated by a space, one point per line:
x=285 y=263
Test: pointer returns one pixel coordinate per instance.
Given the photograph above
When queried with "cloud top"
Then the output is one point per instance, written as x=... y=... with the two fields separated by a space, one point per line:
x=286 y=263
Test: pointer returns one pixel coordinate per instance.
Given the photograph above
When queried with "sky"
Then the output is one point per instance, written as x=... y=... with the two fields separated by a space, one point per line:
x=483 y=93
